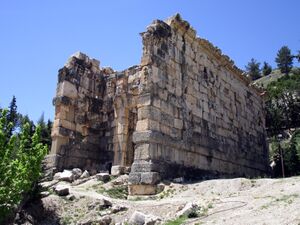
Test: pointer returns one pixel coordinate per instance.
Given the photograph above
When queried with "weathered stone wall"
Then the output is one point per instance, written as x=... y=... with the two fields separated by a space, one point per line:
x=95 y=115
x=185 y=111
x=203 y=119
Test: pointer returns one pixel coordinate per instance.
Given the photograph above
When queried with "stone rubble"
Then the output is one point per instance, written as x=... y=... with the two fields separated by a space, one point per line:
x=66 y=175
x=190 y=208
x=77 y=172
x=103 y=177
x=61 y=190
x=139 y=218
x=85 y=174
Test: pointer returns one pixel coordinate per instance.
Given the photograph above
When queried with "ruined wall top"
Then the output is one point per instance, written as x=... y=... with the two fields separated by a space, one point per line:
x=185 y=29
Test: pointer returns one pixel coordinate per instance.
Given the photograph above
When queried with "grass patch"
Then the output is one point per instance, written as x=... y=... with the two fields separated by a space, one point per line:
x=210 y=205
x=288 y=199
x=120 y=192
x=203 y=212
x=166 y=193
x=177 y=221
x=138 y=198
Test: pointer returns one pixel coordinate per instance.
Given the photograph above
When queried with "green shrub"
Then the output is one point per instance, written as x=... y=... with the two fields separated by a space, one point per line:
x=20 y=163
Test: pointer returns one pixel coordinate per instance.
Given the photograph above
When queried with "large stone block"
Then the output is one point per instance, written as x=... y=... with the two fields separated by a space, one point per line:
x=144 y=166
x=117 y=170
x=142 y=189
x=150 y=178
x=68 y=89
x=142 y=152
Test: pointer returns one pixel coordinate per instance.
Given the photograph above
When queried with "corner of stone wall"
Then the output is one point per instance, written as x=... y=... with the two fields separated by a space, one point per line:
x=78 y=90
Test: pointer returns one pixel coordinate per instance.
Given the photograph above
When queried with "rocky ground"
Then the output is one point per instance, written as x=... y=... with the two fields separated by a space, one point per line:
x=103 y=200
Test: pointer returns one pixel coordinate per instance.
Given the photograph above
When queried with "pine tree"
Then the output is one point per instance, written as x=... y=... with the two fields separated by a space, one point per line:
x=267 y=69
x=284 y=60
x=253 y=69
x=12 y=116
x=45 y=130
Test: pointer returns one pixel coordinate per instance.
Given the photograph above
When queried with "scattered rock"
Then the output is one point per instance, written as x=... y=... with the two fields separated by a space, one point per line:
x=121 y=180
x=66 y=175
x=189 y=210
x=100 y=204
x=85 y=174
x=118 y=208
x=152 y=220
x=48 y=184
x=57 y=176
x=103 y=177
x=61 y=190
x=104 y=203
x=139 y=218
x=80 y=181
x=77 y=173
x=105 y=220
x=44 y=194
x=71 y=197
x=117 y=170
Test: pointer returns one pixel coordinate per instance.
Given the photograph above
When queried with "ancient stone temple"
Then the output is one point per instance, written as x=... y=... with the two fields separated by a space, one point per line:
x=186 y=110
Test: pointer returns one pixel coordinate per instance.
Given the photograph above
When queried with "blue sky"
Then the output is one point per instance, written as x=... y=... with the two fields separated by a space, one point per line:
x=37 y=37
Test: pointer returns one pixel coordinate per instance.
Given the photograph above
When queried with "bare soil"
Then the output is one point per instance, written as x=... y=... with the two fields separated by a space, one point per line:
x=222 y=201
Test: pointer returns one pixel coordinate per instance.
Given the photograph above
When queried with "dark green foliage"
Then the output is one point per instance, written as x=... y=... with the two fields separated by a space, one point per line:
x=25 y=120
x=266 y=69
x=291 y=155
x=21 y=155
x=253 y=69
x=284 y=60
x=45 y=131
x=283 y=113
x=283 y=104
x=12 y=116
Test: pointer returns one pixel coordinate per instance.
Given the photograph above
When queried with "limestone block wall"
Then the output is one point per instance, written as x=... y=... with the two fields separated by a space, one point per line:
x=95 y=115
x=202 y=120
x=186 y=110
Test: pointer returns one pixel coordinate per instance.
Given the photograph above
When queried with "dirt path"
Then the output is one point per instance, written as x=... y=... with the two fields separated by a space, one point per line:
x=223 y=201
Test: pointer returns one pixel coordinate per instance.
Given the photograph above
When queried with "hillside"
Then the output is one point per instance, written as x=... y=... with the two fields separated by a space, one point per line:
x=222 y=201
x=264 y=81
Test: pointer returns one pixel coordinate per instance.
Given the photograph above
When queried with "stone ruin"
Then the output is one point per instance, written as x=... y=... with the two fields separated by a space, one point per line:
x=185 y=111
